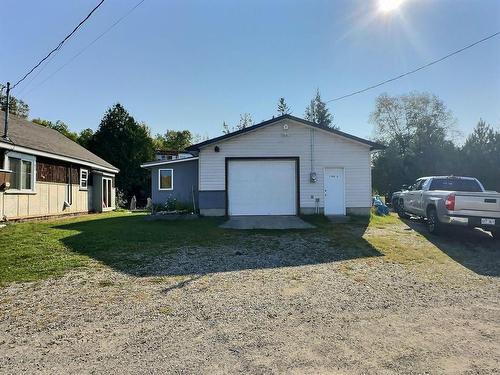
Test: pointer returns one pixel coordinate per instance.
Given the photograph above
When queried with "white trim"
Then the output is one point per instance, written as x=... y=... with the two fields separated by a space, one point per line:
x=324 y=188
x=27 y=150
x=82 y=179
x=22 y=157
x=110 y=198
x=159 y=179
x=101 y=173
x=163 y=162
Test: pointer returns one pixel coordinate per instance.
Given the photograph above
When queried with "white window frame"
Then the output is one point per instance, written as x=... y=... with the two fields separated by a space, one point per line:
x=82 y=179
x=23 y=157
x=159 y=178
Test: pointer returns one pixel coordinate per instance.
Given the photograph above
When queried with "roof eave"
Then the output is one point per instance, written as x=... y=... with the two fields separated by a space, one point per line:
x=50 y=155
x=373 y=145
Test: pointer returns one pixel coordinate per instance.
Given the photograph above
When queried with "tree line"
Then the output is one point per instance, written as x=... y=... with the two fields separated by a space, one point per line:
x=421 y=138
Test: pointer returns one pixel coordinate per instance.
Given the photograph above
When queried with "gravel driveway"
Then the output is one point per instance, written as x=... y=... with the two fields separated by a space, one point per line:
x=344 y=316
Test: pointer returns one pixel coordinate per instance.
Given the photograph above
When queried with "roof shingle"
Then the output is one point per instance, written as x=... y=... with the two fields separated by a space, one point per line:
x=27 y=134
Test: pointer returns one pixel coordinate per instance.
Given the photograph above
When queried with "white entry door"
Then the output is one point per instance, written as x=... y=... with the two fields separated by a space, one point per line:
x=334 y=191
x=262 y=187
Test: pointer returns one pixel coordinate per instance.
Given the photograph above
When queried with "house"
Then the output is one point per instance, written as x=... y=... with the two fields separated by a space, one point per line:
x=283 y=166
x=170 y=155
x=43 y=173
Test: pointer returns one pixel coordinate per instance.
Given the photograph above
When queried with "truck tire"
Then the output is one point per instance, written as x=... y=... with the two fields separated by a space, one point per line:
x=401 y=211
x=433 y=224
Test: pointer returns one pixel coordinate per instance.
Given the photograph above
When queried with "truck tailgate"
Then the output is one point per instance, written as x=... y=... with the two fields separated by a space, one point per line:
x=486 y=202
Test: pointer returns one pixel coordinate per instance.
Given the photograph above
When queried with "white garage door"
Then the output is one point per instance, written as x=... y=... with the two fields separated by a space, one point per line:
x=262 y=187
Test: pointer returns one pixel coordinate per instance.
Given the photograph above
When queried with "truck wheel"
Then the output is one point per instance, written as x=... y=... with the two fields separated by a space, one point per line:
x=401 y=211
x=433 y=224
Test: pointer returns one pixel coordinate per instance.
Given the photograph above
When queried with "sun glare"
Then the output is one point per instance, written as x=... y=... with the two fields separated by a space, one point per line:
x=389 y=5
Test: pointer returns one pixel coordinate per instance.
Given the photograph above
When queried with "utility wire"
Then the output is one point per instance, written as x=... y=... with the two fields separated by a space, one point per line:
x=59 y=45
x=414 y=70
x=87 y=46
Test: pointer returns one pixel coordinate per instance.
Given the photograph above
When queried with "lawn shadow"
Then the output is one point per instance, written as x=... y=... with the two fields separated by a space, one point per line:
x=472 y=248
x=134 y=246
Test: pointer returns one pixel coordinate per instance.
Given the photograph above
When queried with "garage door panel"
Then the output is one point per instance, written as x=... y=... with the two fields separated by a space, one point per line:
x=262 y=187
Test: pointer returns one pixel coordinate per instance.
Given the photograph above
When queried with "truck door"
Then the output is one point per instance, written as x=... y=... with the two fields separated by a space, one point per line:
x=419 y=197
x=414 y=196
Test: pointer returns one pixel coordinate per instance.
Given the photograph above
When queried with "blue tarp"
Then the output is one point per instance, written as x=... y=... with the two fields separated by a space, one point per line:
x=380 y=208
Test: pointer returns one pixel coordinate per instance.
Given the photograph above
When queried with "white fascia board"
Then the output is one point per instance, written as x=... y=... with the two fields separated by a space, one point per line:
x=155 y=164
x=11 y=147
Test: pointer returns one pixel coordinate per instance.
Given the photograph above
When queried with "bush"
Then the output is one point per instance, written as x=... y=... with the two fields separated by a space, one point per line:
x=120 y=200
x=172 y=204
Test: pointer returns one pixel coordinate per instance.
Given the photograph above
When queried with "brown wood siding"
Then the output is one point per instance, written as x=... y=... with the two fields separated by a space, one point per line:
x=49 y=170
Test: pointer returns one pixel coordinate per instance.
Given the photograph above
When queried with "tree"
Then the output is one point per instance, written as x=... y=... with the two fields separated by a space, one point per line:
x=16 y=106
x=245 y=121
x=174 y=140
x=283 y=108
x=417 y=128
x=318 y=112
x=480 y=155
x=85 y=137
x=125 y=143
x=59 y=125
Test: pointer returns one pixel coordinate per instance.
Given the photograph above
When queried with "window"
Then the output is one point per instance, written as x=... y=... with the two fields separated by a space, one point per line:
x=23 y=171
x=455 y=184
x=419 y=184
x=84 y=178
x=166 y=179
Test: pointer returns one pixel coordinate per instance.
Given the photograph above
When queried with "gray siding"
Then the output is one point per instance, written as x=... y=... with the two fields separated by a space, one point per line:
x=212 y=199
x=185 y=178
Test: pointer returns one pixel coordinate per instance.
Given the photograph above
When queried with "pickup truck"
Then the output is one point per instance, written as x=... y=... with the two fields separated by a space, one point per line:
x=450 y=200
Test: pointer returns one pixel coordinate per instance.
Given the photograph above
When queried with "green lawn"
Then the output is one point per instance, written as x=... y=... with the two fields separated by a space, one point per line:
x=128 y=243
x=36 y=250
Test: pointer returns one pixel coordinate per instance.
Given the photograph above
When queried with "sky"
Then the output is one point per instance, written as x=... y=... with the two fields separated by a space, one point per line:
x=192 y=64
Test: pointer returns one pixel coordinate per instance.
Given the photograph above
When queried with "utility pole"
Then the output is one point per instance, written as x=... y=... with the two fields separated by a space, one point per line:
x=6 y=125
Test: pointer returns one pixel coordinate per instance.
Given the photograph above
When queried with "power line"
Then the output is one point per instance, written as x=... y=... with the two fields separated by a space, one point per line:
x=414 y=70
x=59 y=45
x=88 y=45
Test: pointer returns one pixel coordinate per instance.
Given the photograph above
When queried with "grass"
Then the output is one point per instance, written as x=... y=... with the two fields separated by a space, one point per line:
x=126 y=242
x=37 y=250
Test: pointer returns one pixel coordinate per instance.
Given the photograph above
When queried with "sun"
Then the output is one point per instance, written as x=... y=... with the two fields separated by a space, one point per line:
x=389 y=5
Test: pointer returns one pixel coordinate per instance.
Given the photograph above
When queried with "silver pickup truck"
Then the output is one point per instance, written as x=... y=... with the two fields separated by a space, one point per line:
x=444 y=200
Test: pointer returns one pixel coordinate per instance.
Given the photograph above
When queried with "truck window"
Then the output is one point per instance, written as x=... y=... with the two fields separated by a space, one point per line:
x=419 y=184
x=455 y=184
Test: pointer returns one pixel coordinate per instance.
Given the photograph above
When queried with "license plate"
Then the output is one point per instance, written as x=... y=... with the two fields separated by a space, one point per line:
x=488 y=221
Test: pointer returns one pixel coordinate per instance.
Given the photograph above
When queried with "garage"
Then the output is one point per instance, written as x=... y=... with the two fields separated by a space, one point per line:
x=262 y=186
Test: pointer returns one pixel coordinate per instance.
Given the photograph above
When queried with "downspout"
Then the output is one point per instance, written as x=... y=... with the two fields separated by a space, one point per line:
x=69 y=200
x=312 y=175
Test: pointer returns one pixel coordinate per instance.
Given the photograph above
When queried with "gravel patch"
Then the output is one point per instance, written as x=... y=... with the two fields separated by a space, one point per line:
x=273 y=304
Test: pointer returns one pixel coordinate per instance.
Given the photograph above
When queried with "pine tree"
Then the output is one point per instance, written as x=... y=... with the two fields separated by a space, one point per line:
x=318 y=112
x=245 y=121
x=283 y=108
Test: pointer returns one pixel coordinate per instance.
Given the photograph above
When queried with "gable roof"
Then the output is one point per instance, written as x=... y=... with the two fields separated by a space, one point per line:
x=373 y=145
x=43 y=141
